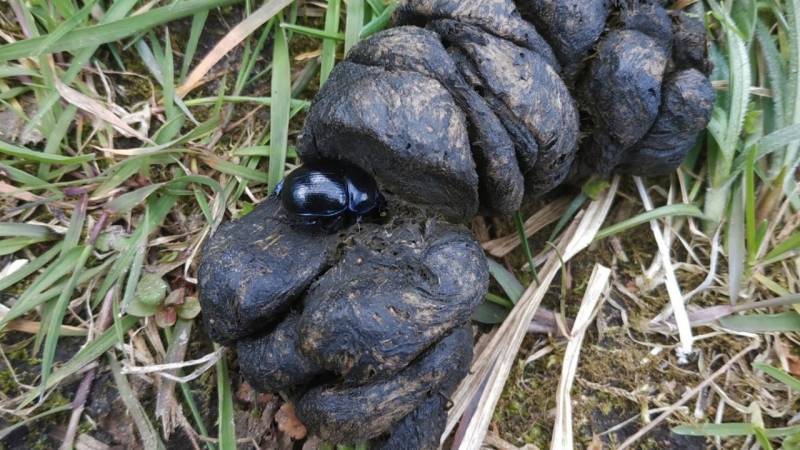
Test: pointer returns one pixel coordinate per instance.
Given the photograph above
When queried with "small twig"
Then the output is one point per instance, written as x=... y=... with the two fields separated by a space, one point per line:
x=688 y=396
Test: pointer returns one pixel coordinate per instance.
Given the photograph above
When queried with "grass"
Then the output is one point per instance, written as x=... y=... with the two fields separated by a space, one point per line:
x=139 y=126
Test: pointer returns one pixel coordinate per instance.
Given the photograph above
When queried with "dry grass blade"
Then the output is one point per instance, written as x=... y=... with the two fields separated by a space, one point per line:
x=164 y=369
x=99 y=111
x=688 y=396
x=147 y=432
x=548 y=214
x=232 y=39
x=501 y=352
x=592 y=299
x=673 y=289
x=33 y=327
x=165 y=398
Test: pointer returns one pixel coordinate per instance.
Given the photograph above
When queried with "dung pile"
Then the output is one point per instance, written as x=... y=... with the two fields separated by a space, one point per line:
x=464 y=108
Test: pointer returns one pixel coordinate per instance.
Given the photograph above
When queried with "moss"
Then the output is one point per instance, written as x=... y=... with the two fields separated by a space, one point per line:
x=602 y=398
x=7 y=384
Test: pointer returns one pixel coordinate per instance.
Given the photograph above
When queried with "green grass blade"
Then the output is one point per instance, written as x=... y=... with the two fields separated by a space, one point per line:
x=792 y=8
x=778 y=139
x=57 y=135
x=750 y=205
x=681 y=209
x=174 y=115
x=735 y=105
x=149 y=60
x=13 y=245
x=198 y=22
x=73 y=235
x=570 y=212
x=739 y=86
x=313 y=32
x=62 y=266
x=85 y=356
x=114 y=31
x=763 y=323
x=280 y=109
x=779 y=375
x=526 y=247
x=380 y=22
x=29 y=268
x=29 y=420
x=17 y=71
x=511 y=286
x=775 y=72
x=354 y=22
x=767 y=145
x=120 y=173
x=25 y=230
x=731 y=429
x=63 y=28
x=744 y=14
x=329 y=45
x=266 y=101
x=130 y=200
x=737 y=250
x=227 y=429
x=236 y=170
x=57 y=316
x=492 y=311
x=789 y=244
x=377 y=6
x=762 y=438
x=31 y=155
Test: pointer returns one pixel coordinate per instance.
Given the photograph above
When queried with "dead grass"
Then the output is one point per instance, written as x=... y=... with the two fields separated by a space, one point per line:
x=629 y=371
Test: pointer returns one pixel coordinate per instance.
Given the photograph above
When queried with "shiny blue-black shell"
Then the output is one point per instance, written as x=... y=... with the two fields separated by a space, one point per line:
x=328 y=193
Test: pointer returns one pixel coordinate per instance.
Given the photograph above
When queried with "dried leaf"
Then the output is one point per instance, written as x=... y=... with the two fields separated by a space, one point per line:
x=289 y=423
x=166 y=317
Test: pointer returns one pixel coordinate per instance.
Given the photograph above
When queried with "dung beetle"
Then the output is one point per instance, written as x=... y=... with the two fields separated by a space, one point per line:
x=326 y=196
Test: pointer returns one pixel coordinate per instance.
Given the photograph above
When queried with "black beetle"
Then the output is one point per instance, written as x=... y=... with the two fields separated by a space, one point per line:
x=326 y=196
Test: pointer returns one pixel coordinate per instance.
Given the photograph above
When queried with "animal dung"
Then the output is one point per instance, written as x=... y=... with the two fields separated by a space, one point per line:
x=462 y=108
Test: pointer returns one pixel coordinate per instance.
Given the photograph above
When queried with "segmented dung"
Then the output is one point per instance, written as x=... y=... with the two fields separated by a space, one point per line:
x=464 y=107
